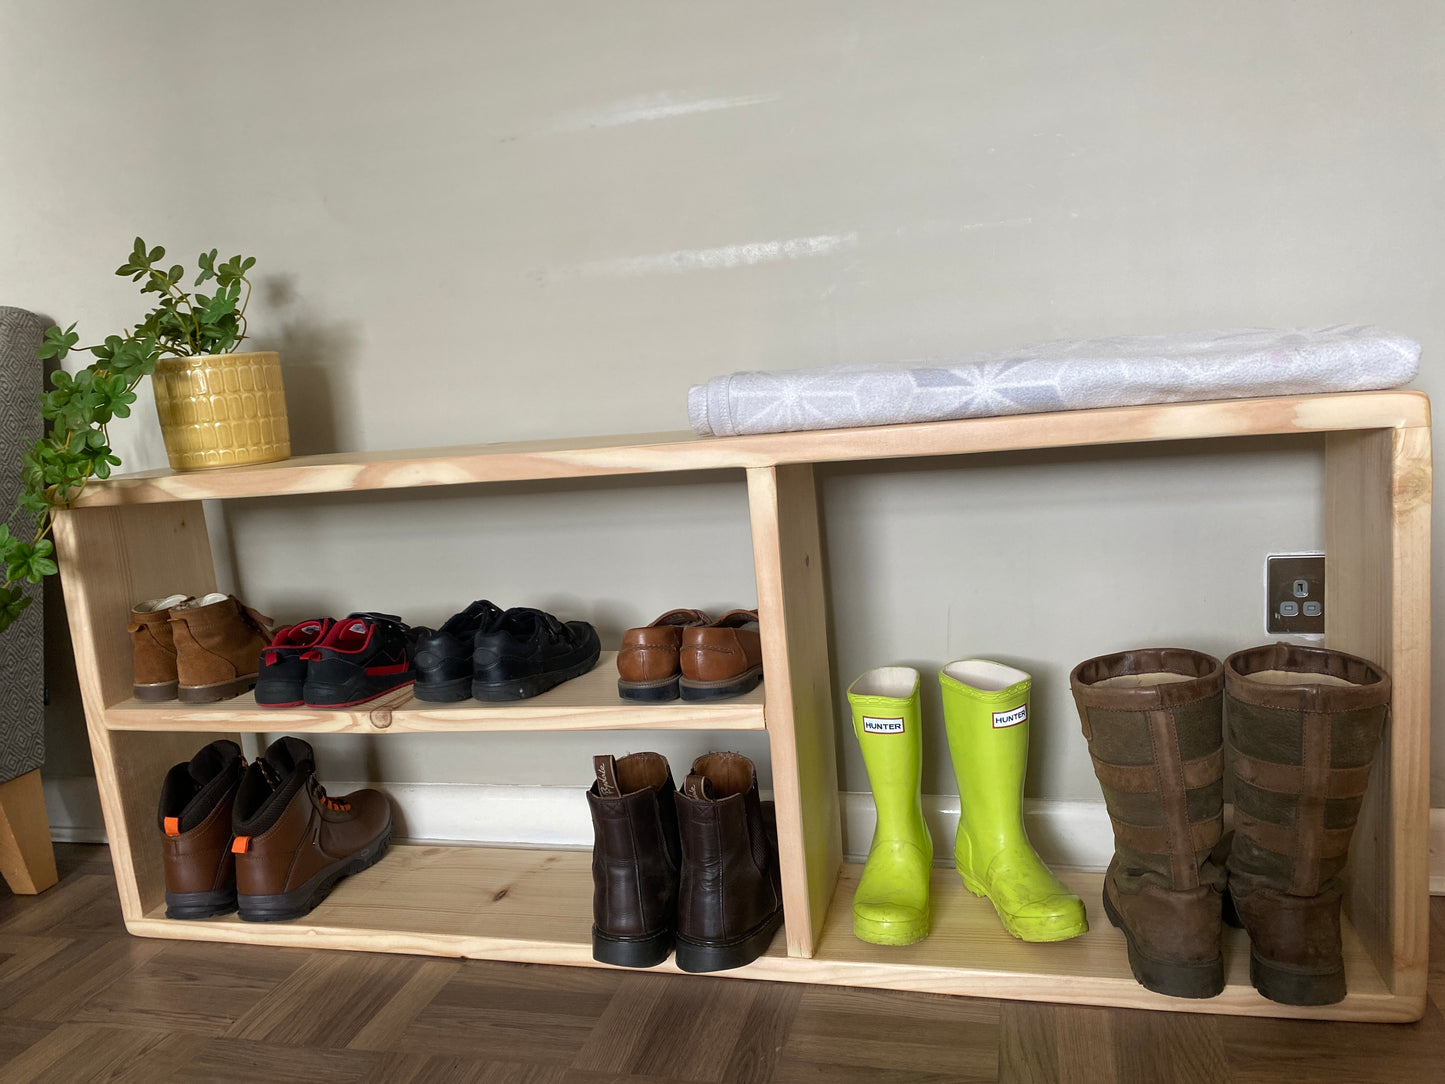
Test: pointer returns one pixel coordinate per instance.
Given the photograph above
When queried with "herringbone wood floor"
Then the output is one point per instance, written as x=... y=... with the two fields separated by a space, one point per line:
x=82 y=1000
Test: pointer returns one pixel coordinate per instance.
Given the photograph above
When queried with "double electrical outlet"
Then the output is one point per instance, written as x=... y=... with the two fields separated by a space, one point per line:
x=1294 y=585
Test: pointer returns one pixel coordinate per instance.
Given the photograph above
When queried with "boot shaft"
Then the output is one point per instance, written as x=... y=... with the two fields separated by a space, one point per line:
x=887 y=723
x=1153 y=722
x=637 y=855
x=195 y=819
x=986 y=713
x=1303 y=727
x=730 y=880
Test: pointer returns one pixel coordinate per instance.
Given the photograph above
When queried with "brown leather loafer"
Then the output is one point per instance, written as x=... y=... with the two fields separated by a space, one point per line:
x=722 y=659
x=647 y=666
x=294 y=842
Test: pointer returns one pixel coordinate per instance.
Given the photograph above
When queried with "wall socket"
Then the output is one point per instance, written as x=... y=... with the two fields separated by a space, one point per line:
x=1294 y=593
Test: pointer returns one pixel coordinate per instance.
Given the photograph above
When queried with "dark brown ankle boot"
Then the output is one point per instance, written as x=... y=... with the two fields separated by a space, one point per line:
x=1153 y=722
x=153 y=657
x=218 y=641
x=195 y=824
x=1303 y=726
x=636 y=858
x=731 y=900
x=294 y=842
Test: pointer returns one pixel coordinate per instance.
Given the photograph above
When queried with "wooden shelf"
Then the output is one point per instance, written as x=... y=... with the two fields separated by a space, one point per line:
x=671 y=452
x=536 y=906
x=589 y=702
x=144 y=535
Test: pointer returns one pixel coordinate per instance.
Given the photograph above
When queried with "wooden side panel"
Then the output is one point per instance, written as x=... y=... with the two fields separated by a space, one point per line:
x=798 y=708
x=111 y=558
x=1377 y=576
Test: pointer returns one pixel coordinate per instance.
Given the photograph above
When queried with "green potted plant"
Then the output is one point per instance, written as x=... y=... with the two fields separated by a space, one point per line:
x=217 y=407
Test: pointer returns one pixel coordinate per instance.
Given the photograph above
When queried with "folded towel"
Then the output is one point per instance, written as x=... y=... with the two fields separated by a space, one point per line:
x=1068 y=375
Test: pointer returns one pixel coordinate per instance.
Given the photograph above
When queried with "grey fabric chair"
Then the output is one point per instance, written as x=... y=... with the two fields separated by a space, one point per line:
x=27 y=860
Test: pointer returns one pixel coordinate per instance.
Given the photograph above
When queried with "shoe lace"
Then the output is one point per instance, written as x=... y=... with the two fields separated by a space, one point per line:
x=336 y=805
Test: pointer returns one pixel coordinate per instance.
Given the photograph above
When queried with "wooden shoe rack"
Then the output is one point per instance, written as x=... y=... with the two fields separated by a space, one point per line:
x=144 y=535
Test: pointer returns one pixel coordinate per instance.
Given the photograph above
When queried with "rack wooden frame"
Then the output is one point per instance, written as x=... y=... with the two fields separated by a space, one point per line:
x=144 y=535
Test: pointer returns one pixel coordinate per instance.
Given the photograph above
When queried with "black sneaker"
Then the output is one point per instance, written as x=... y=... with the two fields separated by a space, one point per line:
x=444 y=655
x=528 y=652
x=281 y=679
x=363 y=656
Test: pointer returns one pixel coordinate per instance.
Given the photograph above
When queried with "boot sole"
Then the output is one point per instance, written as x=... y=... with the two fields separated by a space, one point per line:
x=698 y=957
x=721 y=690
x=650 y=691
x=1197 y=981
x=345 y=696
x=159 y=690
x=188 y=905
x=283 y=906
x=524 y=688
x=892 y=933
x=1038 y=931
x=631 y=952
x=1289 y=985
x=217 y=690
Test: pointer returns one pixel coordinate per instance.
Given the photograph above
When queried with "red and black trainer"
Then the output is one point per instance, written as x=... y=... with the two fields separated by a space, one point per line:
x=282 y=675
x=363 y=656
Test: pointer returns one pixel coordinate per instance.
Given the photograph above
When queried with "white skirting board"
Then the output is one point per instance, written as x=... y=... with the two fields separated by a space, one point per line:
x=1067 y=834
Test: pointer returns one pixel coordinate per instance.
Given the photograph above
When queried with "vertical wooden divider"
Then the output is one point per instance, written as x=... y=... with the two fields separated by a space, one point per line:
x=798 y=707
x=110 y=559
x=1377 y=584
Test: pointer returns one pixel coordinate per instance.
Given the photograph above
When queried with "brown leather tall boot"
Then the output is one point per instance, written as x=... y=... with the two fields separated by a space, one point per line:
x=294 y=842
x=195 y=823
x=1153 y=720
x=1303 y=726
x=636 y=859
x=731 y=901
x=153 y=649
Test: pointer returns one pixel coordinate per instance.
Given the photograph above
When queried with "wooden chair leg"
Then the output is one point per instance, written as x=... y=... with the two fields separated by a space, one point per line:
x=27 y=860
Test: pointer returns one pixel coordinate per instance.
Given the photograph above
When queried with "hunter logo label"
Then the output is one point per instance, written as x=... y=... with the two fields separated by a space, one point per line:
x=1012 y=717
x=882 y=726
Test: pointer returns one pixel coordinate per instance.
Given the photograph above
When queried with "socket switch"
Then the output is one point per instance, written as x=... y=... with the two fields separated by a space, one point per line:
x=1294 y=595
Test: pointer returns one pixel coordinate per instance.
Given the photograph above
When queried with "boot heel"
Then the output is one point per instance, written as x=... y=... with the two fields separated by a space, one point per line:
x=698 y=957
x=1293 y=986
x=631 y=952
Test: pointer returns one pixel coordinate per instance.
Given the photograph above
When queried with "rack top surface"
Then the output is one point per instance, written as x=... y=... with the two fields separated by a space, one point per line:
x=582 y=457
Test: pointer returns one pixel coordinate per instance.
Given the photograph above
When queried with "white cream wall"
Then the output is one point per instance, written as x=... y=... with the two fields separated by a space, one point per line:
x=484 y=221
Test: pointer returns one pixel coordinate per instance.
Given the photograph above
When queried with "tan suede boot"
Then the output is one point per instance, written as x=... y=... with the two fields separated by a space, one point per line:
x=153 y=660
x=218 y=642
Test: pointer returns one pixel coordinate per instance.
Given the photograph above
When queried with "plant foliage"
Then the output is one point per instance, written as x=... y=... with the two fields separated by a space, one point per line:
x=80 y=405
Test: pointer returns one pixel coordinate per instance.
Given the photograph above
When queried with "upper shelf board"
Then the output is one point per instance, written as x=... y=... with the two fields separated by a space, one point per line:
x=658 y=452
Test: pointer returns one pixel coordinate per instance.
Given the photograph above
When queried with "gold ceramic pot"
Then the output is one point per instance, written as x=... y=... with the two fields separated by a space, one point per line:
x=222 y=410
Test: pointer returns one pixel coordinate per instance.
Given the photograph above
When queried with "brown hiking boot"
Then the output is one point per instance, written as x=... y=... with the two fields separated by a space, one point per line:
x=293 y=842
x=730 y=902
x=636 y=857
x=722 y=659
x=647 y=666
x=1303 y=726
x=1153 y=720
x=195 y=824
x=153 y=649
x=218 y=643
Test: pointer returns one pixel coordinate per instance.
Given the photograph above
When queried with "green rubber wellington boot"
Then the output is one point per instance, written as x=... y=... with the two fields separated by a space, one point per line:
x=986 y=710
x=891 y=905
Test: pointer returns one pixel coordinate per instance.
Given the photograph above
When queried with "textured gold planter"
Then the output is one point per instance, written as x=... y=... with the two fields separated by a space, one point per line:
x=222 y=410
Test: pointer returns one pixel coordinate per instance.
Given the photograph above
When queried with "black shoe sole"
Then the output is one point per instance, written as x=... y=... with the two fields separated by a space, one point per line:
x=1195 y=981
x=652 y=692
x=279 y=696
x=187 y=905
x=524 y=688
x=346 y=696
x=698 y=957
x=631 y=952
x=284 y=906
x=722 y=690
x=442 y=692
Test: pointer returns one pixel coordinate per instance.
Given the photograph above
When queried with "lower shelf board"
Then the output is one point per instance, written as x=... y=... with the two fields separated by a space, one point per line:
x=534 y=906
